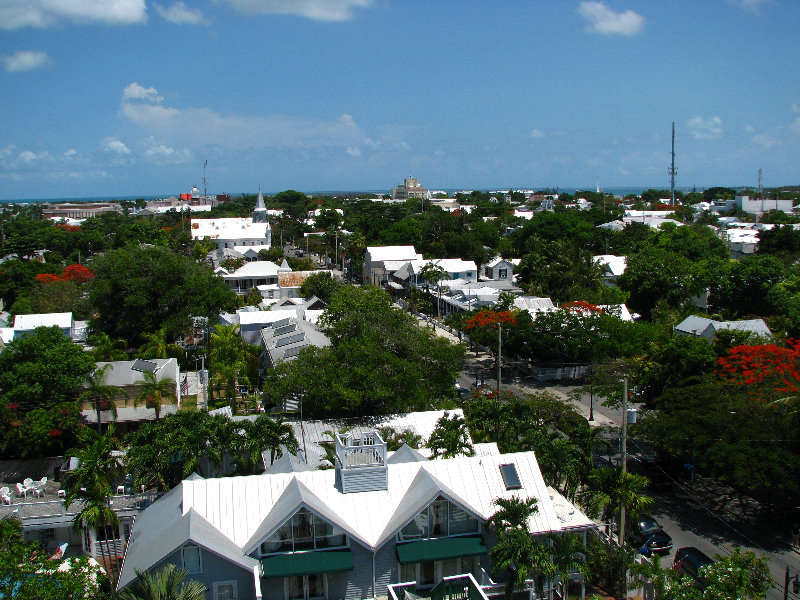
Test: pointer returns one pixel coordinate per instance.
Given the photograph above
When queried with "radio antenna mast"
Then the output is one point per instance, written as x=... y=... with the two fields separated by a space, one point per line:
x=205 y=181
x=672 y=169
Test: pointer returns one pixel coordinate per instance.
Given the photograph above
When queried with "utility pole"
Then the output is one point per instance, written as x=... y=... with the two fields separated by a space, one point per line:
x=624 y=455
x=499 y=357
x=204 y=379
x=672 y=170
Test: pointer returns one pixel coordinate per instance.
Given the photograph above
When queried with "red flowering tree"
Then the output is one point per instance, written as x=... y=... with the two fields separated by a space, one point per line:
x=768 y=371
x=77 y=273
x=582 y=307
x=492 y=319
x=45 y=278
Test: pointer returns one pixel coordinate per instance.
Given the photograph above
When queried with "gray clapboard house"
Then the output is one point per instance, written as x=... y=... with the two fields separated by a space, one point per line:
x=376 y=520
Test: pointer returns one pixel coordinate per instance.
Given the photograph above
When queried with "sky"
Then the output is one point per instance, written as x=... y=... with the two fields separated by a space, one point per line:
x=132 y=97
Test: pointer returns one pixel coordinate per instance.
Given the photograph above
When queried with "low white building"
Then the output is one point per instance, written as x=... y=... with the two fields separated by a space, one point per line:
x=232 y=232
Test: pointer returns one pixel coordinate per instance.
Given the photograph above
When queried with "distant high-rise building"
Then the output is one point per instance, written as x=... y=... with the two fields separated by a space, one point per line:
x=410 y=188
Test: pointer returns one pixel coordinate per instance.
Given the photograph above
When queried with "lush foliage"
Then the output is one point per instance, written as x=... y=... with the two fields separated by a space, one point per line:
x=378 y=362
x=138 y=290
x=27 y=572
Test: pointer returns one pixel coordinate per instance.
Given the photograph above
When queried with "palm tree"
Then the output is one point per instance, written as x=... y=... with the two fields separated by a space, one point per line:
x=273 y=434
x=164 y=584
x=608 y=490
x=568 y=555
x=434 y=272
x=91 y=483
x=98 y=393
x=230 y=358
x=106 y=349
x=153 y=390
x=156 y=345
x=515 y=550
x=450 y=438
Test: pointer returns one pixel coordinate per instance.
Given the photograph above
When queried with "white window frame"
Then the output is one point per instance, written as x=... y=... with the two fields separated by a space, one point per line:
x=218 y=584
x=199 y=558
x=305 y=586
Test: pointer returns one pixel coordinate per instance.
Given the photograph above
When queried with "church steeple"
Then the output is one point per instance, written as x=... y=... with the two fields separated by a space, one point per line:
x=260 y=211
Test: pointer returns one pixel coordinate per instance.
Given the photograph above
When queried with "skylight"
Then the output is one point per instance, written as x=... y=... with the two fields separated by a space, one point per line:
x=510 y=476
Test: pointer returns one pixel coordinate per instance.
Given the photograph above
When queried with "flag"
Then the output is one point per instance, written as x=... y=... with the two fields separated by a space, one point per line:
x=185 y=385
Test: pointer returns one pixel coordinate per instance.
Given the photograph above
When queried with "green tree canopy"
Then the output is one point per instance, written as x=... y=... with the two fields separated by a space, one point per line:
x=379 y=361
x=138 y=290
x=42 y=369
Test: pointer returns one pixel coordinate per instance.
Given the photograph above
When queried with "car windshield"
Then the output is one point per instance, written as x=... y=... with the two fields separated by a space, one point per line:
x=648 y=526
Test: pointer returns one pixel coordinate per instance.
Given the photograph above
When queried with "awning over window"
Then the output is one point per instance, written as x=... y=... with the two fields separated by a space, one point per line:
x=307 y=563
x=440 y=549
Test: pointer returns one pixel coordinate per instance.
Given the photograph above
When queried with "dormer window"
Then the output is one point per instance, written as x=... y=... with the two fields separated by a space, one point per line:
x=304 y=531
x=441 y=518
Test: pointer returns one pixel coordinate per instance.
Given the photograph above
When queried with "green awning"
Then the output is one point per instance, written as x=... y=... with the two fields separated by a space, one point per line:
x=307 y=563
x=440 y=549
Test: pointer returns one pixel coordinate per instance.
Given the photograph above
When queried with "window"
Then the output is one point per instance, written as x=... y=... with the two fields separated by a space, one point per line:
x=502 y=273
x=440 y=518
x=510 y=476
x=426 y=574
x=305 y=587
x=190 y=555
x=304 y=531
x=225 y=590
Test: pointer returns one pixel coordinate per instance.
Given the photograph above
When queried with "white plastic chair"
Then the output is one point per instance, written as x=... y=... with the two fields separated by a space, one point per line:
x=22 y=491
x=5 y=495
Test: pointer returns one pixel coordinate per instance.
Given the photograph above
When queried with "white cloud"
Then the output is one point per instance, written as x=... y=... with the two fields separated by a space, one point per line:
x=318 y=10
x=136 y=92
x=766 y=140
x=27 y=156
x=536 y=134
x=16 y=14
x=25 y=60
x=607 y=22
x=165 y=155
x=749 y=129
x=752 y=5
x=111 y=144
x=204 y=127
x=70 y=154
x=354 y=151
x=705 y=129
x=179 y=14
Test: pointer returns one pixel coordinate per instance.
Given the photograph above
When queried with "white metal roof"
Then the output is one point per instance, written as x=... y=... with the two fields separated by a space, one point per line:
x=30 y=322
x=382 y=253
x=248 y=509
x=229 y=229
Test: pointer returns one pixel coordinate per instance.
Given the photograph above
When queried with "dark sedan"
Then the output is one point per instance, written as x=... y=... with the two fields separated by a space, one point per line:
x=649 y=537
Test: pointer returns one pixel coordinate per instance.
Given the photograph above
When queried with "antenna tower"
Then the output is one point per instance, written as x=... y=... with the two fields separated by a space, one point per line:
x=205 y=180
x=672 y=170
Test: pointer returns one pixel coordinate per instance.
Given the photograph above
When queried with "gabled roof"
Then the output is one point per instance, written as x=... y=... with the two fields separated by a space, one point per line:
x=369 y=517
x=693 y=325
x=405 y=454
x=164 y=527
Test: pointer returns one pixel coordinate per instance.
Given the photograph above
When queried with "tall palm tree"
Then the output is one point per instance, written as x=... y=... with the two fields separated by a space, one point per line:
x=433 y=271
x=91 y=484
x=273 y=434
x=568 y=554
x=515 y=550
x=231 y=359
x=450 y=438
x=98 y=392
x=164 y=584
x=154 y=390
x=608 y=490
x=157 y=345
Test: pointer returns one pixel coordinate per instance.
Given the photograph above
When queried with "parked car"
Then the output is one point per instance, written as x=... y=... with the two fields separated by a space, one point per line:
x=689 y=561
x=649 y=537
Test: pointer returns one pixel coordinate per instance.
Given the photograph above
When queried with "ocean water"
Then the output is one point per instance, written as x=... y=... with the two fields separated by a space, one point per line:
x=617 y=191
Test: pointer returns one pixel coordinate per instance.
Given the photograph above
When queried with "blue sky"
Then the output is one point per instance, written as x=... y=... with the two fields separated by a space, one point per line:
x=130 y=97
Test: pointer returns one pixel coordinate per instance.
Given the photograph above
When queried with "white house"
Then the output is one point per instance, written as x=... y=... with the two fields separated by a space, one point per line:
x=380 y=262
x=376 y=520
x=232 y=232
